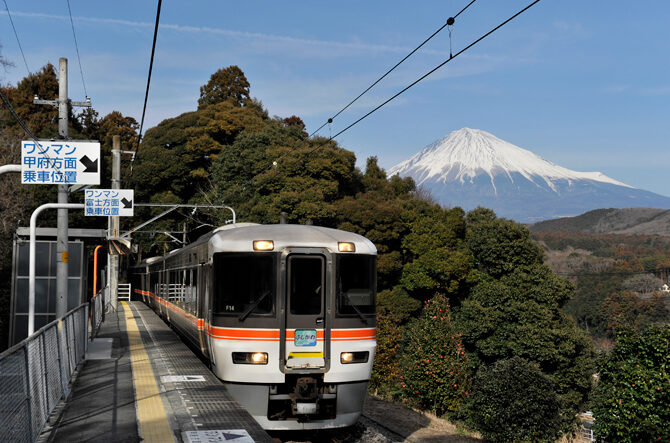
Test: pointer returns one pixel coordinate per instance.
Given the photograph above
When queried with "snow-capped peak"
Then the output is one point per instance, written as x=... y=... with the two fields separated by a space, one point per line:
x=467 y=153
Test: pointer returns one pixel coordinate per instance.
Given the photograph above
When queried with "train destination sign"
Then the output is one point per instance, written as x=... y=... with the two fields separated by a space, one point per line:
x=60 y=162
x=109 y=202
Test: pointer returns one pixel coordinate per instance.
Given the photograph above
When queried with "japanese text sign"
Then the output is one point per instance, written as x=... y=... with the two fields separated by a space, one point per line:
x=60 y=162
x=106 y=202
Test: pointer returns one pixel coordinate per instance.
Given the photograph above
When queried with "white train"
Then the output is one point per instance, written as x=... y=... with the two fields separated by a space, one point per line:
x=284 y=313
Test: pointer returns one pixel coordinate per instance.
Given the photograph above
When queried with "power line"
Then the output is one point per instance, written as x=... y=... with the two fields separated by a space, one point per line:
x=17 y=36
x=449 y=22
x=23 y=125
x=151 y=65
x=599 y=274
x=436 y=68
x=76 y=47
x=451 y=57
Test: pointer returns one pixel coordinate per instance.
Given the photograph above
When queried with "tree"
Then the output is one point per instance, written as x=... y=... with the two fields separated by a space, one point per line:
x=632 y=398
x=500 y=246
x=225 y=84
x=513 y=400
x=643 y=283
x=515 y=310
x=435 y=373
x=628 y=310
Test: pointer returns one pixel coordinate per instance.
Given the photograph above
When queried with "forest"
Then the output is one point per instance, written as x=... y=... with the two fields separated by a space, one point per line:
x=473 y=324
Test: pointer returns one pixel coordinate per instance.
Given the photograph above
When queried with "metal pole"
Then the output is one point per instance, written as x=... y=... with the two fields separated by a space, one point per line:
x=10 y=168
x=113 y=260
x=62 y=238
x=95 y=269
x=31 y=264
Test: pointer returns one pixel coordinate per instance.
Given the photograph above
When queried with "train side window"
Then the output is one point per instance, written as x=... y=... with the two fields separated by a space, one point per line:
x=244 y=282
x=356 y=284
x=194 y=291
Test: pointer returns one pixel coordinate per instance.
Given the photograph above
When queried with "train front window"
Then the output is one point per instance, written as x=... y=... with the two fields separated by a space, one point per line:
x=355 y=285
x=306 y=284
x=244 y=284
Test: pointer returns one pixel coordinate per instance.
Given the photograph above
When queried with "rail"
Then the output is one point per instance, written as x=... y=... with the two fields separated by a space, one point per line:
x=35 y=374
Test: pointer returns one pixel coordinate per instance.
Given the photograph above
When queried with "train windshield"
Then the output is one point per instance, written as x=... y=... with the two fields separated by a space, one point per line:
x=356 y=285
x=244 y=284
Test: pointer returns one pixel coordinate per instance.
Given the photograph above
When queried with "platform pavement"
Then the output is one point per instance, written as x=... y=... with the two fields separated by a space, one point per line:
x=103 y=405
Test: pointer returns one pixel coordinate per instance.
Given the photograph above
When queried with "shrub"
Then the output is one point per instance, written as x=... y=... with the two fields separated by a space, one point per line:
x=435 y=373
x=632 y=398
x=513 y=400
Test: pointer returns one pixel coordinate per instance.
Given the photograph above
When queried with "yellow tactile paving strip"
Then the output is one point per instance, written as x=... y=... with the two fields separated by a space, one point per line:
x=151 y=415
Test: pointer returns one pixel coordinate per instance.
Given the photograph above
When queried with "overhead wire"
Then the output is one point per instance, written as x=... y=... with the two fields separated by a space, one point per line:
x=9 y=106
x=76 y=47
x=450 y=21
x=402 y=91
x=17 y=36
x=435 y=69
x=151 y=66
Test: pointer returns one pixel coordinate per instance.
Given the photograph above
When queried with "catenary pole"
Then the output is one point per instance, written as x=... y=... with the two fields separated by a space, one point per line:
x=113 y=260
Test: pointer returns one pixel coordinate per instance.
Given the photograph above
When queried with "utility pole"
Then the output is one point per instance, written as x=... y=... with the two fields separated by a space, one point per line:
x=63 y=103
x=114 y=225
x=62 y=247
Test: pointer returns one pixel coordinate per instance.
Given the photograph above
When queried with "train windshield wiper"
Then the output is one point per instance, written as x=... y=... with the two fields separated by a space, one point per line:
x=358 y=312
x=254 y=306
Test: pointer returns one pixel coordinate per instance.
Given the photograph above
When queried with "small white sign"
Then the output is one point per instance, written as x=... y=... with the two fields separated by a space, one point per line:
x=234 y=435
x=181 y=378
x=60 y=162
x=109 y=202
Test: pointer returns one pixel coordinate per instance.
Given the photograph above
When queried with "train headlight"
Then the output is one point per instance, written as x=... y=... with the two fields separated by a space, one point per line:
x=345 y=246
x=354 y=357
x=250 y=358
x=263 y=245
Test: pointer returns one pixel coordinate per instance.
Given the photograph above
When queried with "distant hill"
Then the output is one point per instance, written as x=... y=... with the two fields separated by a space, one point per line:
x=644 y=221
x=470 y=168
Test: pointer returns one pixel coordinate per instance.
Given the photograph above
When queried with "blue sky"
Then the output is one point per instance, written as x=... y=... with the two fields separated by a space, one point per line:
x=584 y=84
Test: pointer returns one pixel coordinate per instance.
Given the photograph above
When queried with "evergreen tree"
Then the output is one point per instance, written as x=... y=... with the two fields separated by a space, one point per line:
x=515 y=310
x=225 y=84
x=632 y=398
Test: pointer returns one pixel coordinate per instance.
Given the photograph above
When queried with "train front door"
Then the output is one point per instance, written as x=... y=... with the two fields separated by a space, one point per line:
x=305 y=307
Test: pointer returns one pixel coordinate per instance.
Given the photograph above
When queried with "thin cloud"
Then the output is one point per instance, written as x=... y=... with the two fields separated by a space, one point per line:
x=357 y=46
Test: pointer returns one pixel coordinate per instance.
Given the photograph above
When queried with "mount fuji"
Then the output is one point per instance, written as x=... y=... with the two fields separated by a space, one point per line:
x=471 y=167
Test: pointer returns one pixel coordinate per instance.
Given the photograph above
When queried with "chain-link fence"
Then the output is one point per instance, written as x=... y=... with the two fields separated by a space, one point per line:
x=35 y=373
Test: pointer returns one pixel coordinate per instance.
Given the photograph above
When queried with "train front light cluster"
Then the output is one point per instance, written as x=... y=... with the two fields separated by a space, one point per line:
x=264 y=245
x=345 y=246
x=354 y=357
x=250 y=358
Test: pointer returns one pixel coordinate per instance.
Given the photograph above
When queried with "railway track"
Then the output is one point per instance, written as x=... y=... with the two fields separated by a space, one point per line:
x=367 y=430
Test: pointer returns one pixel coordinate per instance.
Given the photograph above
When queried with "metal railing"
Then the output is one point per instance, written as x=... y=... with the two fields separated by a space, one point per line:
x=35 y=373
x=97 y=311
x=124 y=291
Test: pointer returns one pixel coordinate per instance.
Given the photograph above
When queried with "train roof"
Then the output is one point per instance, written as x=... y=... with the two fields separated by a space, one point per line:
x=240 y=239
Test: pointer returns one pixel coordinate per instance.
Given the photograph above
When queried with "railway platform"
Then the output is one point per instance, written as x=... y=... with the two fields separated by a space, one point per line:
x=140 y=382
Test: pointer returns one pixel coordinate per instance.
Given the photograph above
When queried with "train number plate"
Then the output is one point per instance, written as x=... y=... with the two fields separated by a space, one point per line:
x=305 y=337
